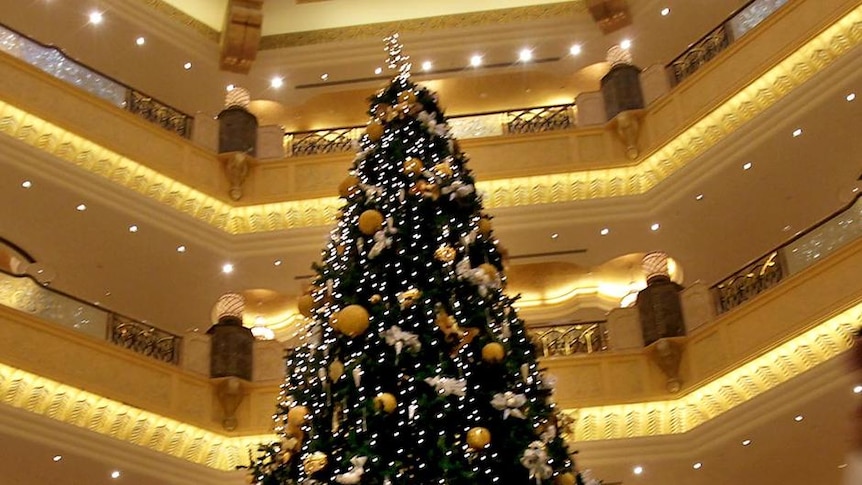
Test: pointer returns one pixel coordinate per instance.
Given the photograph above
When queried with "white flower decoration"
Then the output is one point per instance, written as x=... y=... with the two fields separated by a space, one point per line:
x=510 y=403
x=448 y=386
x=399 y=339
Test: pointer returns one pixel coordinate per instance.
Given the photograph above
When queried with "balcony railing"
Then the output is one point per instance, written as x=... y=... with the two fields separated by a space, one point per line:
x=24 y=294
x=497 y=123
x=570 y=339
x=803 y=250
x=54 y=62
x=720 y=38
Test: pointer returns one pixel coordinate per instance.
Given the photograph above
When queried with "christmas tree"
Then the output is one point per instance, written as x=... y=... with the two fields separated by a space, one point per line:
x=416 y=368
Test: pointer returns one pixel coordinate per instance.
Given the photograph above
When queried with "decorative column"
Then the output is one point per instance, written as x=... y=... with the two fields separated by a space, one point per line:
x=661 y=319
x=621 y=91
x=231 y=355
x=237 y=139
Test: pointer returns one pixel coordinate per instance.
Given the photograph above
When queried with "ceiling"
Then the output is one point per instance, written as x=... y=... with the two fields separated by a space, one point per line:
x=793 y=183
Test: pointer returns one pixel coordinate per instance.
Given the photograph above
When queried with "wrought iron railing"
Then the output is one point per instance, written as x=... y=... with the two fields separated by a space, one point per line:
x=55 y=62
x=496 y=123
x=806 y=248
x=570 y=339
x=23 y=293
x=718 y=39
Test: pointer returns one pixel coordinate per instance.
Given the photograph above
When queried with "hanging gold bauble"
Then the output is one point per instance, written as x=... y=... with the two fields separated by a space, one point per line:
x=408 y=97
x=385 y=402
x=296 y=416
x=413 y=166
x=493 y=353
x=348 y=186
x=286 y=456
x=374 y=130
x=408 y=298
x=370 y=222
x=375 y=299
x=336 y=370
x=478 y=438
x=380 y=111
x=445 y=253
x=565 y=479
x=314 y=462
x=489 y=269
x=351 y=320
x=443 y=168
x=428 y=189
x=305 y=304
x=485 y=226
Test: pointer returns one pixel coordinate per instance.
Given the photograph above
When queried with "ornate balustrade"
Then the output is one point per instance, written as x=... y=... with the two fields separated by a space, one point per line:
x=144 y=339
x=570 y=339
x=825 y=237
x=720 y=38
x=498 y=123
x=53 y=61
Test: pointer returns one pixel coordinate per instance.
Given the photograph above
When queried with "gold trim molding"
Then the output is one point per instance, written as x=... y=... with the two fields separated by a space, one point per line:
x=810 y=349
x=754 y=99
x=423 y=25
x=82 y=409
x=176 y=15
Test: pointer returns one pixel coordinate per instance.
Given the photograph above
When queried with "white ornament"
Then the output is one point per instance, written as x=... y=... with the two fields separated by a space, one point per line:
x=357 y=375
x=510 y=403
x=535 y=459
x=457 y=190
x=399 y=339
x=448 y=386
x=355 y=474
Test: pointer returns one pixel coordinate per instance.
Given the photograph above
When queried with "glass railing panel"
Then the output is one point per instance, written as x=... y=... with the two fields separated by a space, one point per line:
x=825 y=239
x=23 y=294
x=750 y=16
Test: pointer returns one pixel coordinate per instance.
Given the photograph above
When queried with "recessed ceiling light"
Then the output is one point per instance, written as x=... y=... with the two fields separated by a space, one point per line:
x=187 y=66
x=697 y=466
x=476 y=60
x=787 y=228
x=427 y=65
x=746 y=166
x=115 y=474
x=133 y=228
x=575 y=49
x=230 y=87
x=276 y=82
x=140 y=41
x=107 y=293
x=58 y=457
x=665 y=11
x=842 y=466
x=626 y=44
x=746 y=442
x=554 y=235
x=797 y=132
x=227 y=268
x=378 y=71
x=857 y=389
x=698 y=197
x=181 y=249
x=798 y=418
x=638 y=470
x=26 y=184
x=525 y=55
x=277 y=262
x=324 y=76
x=81 y=208
x=605 y=231
x=654 y=227
x=851 y=97
x=96 y=17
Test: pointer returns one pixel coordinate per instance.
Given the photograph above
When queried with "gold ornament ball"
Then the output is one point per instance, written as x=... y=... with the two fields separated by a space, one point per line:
x=565 y=479
x=251 y=478
x=351 y=320
x=493 y=353
x=314 y=462
x=413 y=166
x=444 y=169
x=485 y=226
x=445 y=253
x=478 y=438
x=385 y=402
x=286 y=456
x=374 y=130
x=370 y=222
x=297 y=416
x=407 y=97
x=336 y=370
x=489 y=269
x=305 y=305
x=375 y=299
x=348 y=186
